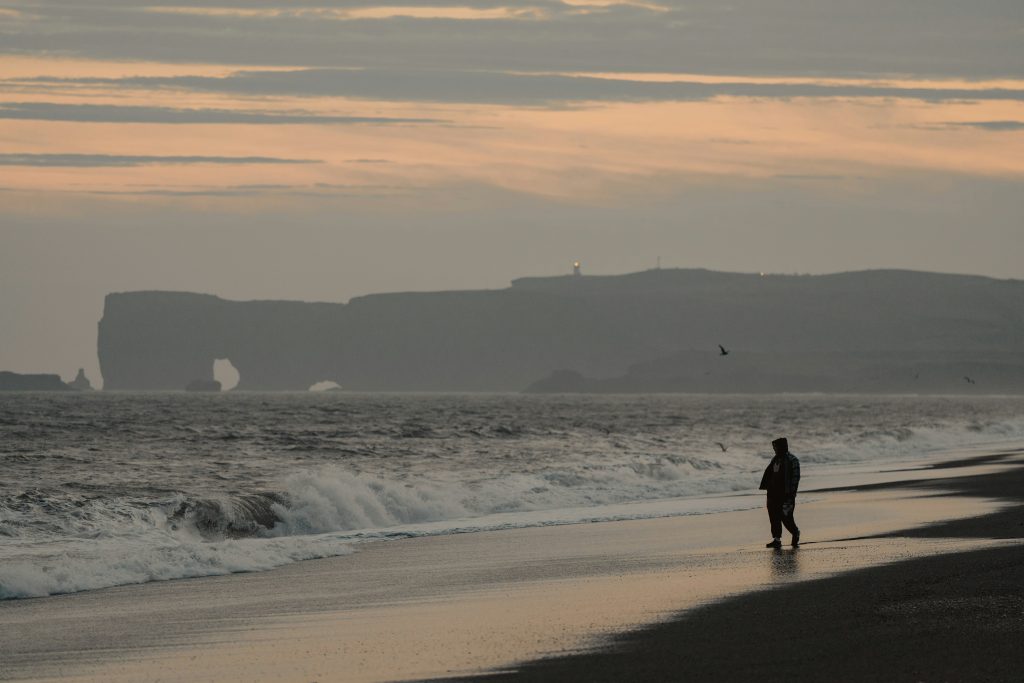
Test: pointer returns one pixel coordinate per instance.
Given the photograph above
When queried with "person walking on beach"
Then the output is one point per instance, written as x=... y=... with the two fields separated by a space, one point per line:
x=781 y=480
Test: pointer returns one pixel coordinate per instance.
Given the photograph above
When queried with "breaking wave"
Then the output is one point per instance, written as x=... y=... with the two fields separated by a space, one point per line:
x=61 y=536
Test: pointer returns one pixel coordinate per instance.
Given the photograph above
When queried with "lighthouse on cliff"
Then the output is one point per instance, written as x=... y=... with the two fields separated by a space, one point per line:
x=576 y=269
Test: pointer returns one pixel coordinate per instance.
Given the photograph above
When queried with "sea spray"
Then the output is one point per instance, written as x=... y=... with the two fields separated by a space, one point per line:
x=150 y=558
x=332 y=499
x=112 y=489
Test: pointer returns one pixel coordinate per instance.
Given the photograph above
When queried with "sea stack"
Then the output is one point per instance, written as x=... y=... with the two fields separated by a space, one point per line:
x=80 y=382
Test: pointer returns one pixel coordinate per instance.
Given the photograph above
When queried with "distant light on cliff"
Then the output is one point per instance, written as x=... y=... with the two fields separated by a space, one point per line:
x=576 y=268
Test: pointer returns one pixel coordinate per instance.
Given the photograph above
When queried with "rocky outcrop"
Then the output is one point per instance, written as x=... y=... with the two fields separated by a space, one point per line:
x=204 y=385
x=80 y=382
x=12 y=381
x=445 y=341
x=654 y=324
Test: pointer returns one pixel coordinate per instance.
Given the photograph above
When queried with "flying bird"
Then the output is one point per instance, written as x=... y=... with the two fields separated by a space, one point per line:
x=722 y=351
x=722 y=446
x=969 y=380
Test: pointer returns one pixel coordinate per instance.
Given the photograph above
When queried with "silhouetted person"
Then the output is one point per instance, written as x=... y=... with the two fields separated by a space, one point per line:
x=781 y=480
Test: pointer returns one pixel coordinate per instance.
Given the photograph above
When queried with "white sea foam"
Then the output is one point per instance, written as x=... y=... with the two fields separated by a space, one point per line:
x=164 y=554
x=333 y=499
x=642 y=458
x=144 y=558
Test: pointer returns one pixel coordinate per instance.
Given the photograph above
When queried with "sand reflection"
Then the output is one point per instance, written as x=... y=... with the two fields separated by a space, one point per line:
x=784 y=563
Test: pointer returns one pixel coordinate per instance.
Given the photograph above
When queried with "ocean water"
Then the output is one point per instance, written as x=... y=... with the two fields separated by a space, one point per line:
x=100 y=490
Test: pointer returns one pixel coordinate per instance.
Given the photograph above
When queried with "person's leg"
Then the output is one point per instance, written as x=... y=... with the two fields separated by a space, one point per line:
x=787 y=518
x=775 y=517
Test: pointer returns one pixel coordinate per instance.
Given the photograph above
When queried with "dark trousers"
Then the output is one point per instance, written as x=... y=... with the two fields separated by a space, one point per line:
x=780 y=511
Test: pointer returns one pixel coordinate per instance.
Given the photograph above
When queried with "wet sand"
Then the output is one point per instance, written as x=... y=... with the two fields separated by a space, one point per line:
x=558 y=598
x=957 y=616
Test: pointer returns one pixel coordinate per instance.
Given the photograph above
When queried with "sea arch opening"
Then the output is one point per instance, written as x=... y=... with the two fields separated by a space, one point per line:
x=324 y=385
x=226 y=373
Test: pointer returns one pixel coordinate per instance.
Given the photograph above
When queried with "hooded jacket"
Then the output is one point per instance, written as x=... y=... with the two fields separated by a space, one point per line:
x=790 y=474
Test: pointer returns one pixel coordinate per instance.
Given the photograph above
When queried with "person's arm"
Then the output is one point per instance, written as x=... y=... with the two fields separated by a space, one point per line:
x=764 y=478
x=794 y=477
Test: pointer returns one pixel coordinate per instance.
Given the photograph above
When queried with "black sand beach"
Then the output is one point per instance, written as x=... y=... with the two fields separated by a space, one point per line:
x=953 y=617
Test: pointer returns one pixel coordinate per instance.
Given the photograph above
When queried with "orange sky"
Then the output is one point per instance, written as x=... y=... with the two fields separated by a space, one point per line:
x=587 y=151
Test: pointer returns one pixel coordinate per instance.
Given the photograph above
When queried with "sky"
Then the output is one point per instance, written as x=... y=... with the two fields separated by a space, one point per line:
x=262 y=149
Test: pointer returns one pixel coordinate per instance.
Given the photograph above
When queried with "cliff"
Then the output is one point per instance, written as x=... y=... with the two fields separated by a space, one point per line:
x=925 y=372
x=12 y=381
x=649 y=325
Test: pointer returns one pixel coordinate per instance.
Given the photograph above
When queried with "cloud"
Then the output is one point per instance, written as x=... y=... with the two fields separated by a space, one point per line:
x=322 y=194
x=113 y=160
x=809 y=176
x=107 y=113
x=325 y=191
x=489 y=87
x=369 y=11
x=996 y=126
x=322 y=190
x=980 y=39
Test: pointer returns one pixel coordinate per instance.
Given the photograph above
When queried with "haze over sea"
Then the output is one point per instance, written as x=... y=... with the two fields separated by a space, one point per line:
x=110 y=489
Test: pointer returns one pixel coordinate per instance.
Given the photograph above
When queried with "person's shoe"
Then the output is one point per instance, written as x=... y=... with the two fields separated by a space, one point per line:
x=776 y=543
x=796 y=539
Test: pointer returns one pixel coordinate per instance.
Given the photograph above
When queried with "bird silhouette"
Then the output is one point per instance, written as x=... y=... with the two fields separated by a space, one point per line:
x=969 y=380
x=722 y=351
x=722 y=446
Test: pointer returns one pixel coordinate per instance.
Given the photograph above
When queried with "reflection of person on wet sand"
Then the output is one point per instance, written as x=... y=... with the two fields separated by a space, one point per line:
x=784 y=566
x=781 y=480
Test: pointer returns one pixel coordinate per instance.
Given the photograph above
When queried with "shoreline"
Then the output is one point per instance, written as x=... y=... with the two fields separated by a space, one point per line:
x=248 y=554
x=951 y=616
x=464 y=604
